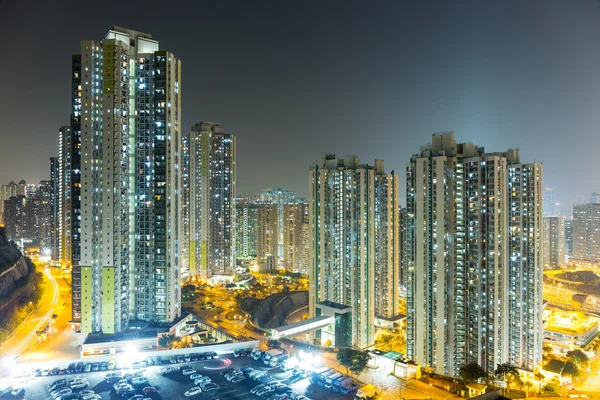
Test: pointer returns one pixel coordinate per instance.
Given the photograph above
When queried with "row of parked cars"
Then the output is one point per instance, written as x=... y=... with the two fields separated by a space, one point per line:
x=203 y=383
x=132 y=385
x=71 y=389
x=81 y=367
x=268 y=387
x=11 y=392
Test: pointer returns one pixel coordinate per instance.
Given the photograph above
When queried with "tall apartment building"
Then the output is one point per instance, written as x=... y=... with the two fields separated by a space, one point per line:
x=353 y=250
x=124 y=181
x=246 y=228
x=65 y=186
x=55 y=207
x=281 y=197
x=184 y=212
x=212 y=210
x=19 y=219
x=474 y=257
x=402 y=250
x=295 y=237
x=554 y=241
x=10 y=190
x=569 y=237
x=267 y=233
x=43 y=216
x=548 y=202
x=586 y=232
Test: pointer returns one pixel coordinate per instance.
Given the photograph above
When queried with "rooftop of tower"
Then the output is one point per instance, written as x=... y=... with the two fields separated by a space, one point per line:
x=130 y=32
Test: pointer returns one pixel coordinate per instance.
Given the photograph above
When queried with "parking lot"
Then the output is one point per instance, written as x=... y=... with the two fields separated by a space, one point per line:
x=175 y=384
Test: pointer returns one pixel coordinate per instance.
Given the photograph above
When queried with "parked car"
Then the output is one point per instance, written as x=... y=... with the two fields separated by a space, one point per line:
x=103 y=366
x=79 y=384
x=17 y=392
x=210 y=386
x=193 y=392
x=79 y=367
x=95 y=367
x=149 y=389
x=227 y=370
x=202 y=380
x=188 y=371
x=139 y=382
x=71 y=368
x=237 y=379
x=61 y=392
x=167 y=370
x=87 y=367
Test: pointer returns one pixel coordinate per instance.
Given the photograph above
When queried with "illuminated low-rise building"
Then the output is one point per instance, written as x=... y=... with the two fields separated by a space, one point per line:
x=569 y=330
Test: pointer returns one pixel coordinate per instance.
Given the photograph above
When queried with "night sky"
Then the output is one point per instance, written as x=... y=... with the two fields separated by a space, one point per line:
x=294 y=80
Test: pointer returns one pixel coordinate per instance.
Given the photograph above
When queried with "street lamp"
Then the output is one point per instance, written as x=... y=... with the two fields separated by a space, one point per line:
x=430 y=385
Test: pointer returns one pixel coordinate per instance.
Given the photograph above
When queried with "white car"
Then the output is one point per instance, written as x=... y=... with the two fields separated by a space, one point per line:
x=79 y=384
x=195 y=376
x=202 y=380
x=92 y=396
x=193 y=391
x=61 y=393
x=86 y=392
x=188 y=371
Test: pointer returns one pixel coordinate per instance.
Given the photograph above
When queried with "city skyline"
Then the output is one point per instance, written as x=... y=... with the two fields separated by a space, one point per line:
x=457 y=83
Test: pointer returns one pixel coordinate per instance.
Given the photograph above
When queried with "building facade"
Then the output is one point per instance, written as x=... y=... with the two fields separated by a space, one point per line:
x=246 y=229
x=281 y=197
x=474 y=257
x=295 y=237
x=267 y=232
x=10 y=190
x=353 y=225
x=586 y=232
x=121 y=160
x=212 y=211
x=554 y=241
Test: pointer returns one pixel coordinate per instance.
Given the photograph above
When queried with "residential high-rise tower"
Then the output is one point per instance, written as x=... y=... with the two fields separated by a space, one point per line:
x=211 y=202
x=474 y=257
x=124 y=160
x=353 y=250
x=554 y=241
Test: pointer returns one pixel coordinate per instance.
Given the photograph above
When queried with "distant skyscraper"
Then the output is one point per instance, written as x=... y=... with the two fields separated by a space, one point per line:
x=211 y=201
x=295 y=237
x=281 y=197
x=402 y=247
x=246 y=228
x=586 y=232
x=43 y=215
x=554 y=241
x=549 y=202
x=569 y=237
x=68 y=181
x=267 y=232
x=10 y=190
x=353 y=250
x=474 y=257
x=124 y=160
x=19 y=219
x=55 y=208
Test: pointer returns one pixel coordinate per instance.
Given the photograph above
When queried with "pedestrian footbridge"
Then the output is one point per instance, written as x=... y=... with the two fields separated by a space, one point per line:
x=307 y=325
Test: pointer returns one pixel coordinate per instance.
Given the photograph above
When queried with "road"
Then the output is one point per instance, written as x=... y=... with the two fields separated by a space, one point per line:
x=23 y=343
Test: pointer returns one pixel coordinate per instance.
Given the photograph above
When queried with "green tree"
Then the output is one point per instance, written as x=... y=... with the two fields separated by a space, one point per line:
x=540 y=378
x=508 y=373
x=570 y=369
x=578 y=357
x=471 y=372
x=360 y=361
x=166 y=341
x=344 y=357
x=274 y=343
x=353 y=360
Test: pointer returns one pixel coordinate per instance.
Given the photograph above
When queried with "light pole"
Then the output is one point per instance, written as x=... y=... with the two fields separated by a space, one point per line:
x=430 y=397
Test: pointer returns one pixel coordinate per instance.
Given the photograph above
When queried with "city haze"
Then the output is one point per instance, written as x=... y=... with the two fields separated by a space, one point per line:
x=294 y=80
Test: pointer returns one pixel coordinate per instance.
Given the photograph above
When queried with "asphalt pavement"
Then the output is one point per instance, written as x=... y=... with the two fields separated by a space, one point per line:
x=174 y=385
